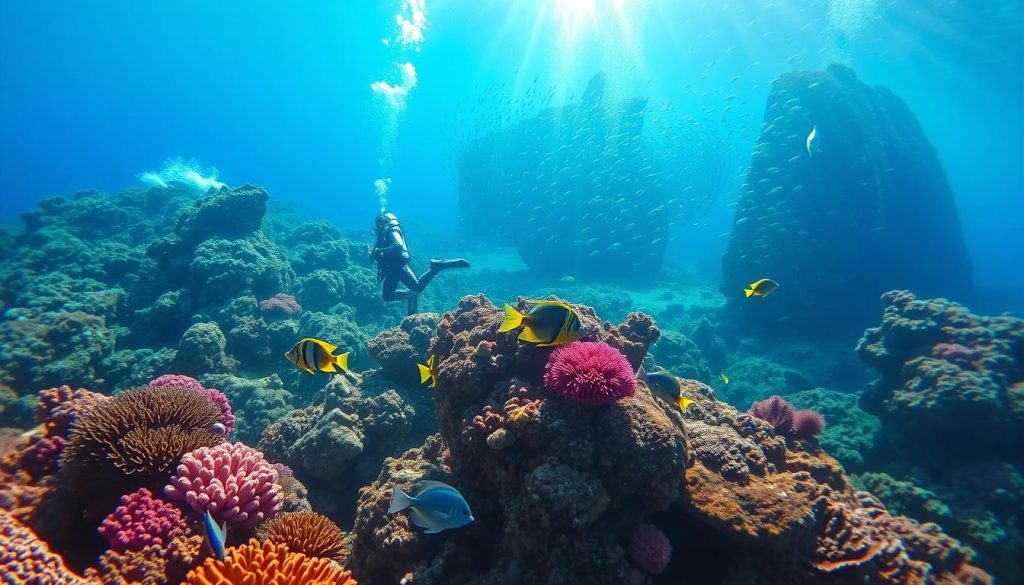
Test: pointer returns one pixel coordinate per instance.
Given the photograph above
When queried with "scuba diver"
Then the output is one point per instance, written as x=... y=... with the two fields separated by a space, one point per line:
x=391 y=255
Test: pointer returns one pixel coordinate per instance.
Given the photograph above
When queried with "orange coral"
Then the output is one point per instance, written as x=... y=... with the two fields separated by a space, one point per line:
x=308 y=533
x=269 y=564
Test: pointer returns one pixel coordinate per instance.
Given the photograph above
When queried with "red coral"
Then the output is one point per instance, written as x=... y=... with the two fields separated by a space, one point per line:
x=141 y=521
x=776 y=411
x=807 y=424
x=281 y=305
x=650 y=548
x=231 y=480
x=589 y=372
x=227 y=417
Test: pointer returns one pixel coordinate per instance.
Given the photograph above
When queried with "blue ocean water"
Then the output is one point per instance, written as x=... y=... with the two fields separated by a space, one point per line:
x=278 y=95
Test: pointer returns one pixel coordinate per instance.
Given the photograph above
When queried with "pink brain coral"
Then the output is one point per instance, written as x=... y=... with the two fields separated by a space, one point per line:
x=589 y=372
x=231 y=480
x=217 y=397
x=650 y=548
x=141 y=521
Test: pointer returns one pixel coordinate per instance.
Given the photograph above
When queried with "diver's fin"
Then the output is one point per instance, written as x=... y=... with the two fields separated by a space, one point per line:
x=399 y=500
x=424 y=373
x=749 y=292
x=513 y=319
x=342 y=361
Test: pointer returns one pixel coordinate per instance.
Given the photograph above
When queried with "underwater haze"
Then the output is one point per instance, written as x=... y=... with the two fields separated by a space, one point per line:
x=554 y=291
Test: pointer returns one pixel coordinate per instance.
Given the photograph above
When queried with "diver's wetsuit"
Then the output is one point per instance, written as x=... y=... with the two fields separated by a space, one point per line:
x=391 y=253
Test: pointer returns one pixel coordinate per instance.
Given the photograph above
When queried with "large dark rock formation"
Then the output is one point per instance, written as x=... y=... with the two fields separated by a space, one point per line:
x=869 y=210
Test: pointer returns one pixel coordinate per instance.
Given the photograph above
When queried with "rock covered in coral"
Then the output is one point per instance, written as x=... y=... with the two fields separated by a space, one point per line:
x=945 y=369
x=869 y=191
x=850 y=432
x=579 y=479
x=571 y=469
x=399 y=349
x=951 y=404
x=26 y=559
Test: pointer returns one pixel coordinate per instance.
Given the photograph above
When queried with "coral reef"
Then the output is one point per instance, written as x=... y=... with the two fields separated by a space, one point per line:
x=560 y=502
x=231 y=481
x=850 y=431
x=870 y=191
x=142 y=521
x=26 y=559
x=227 y=418
x=650 y=548
x=399 y=349
x=267 y=563
x=951 y=404
x=308 y=533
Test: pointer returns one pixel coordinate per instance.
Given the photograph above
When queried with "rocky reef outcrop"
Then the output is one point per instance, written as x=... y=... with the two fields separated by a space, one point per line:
x=951 y=404
x=862 y=208
x=560 y=488
x=117 y=290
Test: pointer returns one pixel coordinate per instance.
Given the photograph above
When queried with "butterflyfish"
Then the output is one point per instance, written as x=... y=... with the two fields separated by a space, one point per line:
x=761 y=288
x=545 y=323
x=316 y=355
x=428 y=371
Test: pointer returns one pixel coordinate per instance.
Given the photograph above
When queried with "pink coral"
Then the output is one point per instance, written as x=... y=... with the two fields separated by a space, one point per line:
x=40 y=457
x=589 y=372
x=231 y=480
x=281 y=305
x=807 y=424
x=141 y=521
x=60 y=407
x=227 y=417
x=776 y=411
x=650 y=548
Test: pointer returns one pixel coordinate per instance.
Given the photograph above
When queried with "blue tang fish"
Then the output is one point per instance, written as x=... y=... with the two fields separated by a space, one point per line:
x=215 y=535
x=436 y=506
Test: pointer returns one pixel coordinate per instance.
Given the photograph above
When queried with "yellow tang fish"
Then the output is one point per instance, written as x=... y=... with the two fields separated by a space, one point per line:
x=723 y=378
x=429 y=371
x=314 y=355
x=761 y=288
x=545 y=323
x=683 y=403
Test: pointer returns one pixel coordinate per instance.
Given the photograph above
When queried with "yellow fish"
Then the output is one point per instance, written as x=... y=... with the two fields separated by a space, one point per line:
x=314 y=355
x=429 y=371
x=683 y=403
x=545 y=323
x=761 y=288
x=723 y=378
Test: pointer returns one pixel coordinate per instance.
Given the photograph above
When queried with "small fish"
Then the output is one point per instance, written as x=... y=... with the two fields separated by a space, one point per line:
x=314 y=355
x=436 y=506
x=545 y=323
x=810 y=140
x=428 y=371
x=723 y=378
x=761 y=288
x=661 y=382
x=215 y=536
x=568 y=277
x=683 y=403
x=219 y=428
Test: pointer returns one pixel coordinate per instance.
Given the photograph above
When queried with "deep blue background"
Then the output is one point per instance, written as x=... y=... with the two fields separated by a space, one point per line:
x=277 y=94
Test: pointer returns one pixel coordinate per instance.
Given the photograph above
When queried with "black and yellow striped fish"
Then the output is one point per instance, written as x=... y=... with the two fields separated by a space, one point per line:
x=544 y=323
x=315 y=355
x=428 y=371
